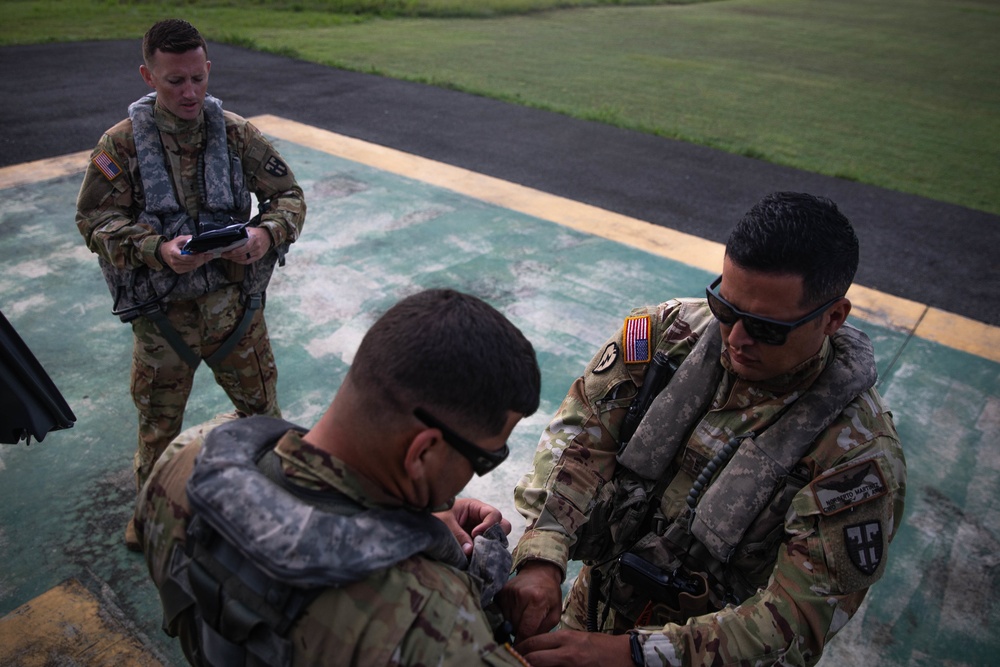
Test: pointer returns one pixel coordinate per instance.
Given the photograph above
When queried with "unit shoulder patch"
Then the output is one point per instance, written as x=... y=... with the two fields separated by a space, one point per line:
x=607 y=359
x=849 y=487
x=865 y=545
x=635 y=339
x=107 y=165
x=275 y=166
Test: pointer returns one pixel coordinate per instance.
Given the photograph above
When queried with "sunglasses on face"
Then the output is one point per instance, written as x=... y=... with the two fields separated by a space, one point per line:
x=482 y=461
x=761 y=329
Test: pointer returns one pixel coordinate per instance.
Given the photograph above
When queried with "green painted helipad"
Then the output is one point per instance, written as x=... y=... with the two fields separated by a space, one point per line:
x=383 y=224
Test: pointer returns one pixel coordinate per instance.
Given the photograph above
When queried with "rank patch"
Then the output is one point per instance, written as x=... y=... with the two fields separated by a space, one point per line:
x=107 y=166
x=607 y=358
x=865 y=545
x=849 y=487
x=275 y=167
x=635 y=339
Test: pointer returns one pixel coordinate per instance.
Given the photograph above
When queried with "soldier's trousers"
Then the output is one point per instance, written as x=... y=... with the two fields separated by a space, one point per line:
x=161 y=380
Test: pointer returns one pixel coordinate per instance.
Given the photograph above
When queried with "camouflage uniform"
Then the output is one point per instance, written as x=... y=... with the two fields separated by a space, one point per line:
x=801 y=580
x=418 y=612
x=108 y=207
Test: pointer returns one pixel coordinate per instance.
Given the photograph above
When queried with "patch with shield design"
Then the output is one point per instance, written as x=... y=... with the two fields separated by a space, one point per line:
x=275 y=167
x=865 y=545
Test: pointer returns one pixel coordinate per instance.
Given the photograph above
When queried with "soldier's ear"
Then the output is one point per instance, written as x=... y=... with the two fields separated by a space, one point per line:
x=417 y=452
x=416 y=464
x=836 y=316
x=146 y=75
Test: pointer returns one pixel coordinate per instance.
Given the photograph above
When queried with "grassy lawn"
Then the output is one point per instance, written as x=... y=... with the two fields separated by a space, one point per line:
x=904 y=94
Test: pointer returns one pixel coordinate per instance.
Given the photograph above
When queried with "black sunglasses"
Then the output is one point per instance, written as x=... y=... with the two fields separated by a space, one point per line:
x=482 y=461
x=761 y=329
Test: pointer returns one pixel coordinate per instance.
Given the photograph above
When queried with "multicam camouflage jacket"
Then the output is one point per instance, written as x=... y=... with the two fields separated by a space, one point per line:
x=420 y=611
x=804 y=563
x=112 y=205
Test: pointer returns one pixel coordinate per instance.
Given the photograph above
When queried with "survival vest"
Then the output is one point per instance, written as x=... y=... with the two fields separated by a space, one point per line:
x=259 y=548
x=224 y=199
x=751 y=481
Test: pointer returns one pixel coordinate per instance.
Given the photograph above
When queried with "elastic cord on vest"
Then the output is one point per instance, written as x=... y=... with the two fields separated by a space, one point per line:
x=717 y=463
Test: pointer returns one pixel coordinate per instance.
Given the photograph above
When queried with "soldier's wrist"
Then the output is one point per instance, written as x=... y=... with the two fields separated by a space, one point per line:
x=149 y=251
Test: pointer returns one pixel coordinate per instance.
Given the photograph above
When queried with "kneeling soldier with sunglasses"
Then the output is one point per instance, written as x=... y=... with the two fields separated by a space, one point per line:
x=745 y=516
x=344 y=544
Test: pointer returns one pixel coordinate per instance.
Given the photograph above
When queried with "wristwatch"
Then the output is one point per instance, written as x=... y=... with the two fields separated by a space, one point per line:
x=635 y=646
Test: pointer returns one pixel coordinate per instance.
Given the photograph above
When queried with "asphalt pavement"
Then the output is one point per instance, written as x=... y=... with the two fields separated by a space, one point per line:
x=383 y=223
x=58 y=98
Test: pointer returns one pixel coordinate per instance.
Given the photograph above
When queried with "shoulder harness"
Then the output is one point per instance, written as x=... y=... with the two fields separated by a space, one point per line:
x=259 y=549
x=750 y=468
x=224 y=198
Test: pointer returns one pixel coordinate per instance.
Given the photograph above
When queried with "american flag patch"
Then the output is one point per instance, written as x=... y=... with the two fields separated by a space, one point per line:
x=108 y=166
x=635 y=340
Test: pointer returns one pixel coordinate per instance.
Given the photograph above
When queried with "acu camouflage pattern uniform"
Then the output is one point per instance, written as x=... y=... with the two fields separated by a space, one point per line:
x=419 y=612
x=802 y=584
x=107 y=216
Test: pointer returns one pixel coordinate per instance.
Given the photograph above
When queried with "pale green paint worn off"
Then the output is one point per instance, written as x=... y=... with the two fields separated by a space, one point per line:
x=372 y=238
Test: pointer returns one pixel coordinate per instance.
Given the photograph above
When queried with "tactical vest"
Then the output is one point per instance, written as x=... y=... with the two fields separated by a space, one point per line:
x=750 y=482
x=224 y=199
x=259 y=549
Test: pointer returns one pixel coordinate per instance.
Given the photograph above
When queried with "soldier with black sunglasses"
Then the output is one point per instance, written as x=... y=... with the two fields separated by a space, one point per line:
x=344 y=544
x=746 y=516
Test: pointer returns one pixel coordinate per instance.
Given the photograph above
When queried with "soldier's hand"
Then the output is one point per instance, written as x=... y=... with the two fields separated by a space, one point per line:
x=576 y=649
x=172 y=256
x=257 y=245
x=532 y=599
x=469 y=517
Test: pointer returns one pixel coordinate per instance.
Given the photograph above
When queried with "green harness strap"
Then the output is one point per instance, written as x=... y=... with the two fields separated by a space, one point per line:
x=184 y=351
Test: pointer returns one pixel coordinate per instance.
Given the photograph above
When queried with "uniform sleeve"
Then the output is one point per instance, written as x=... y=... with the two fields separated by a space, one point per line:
x=576 y=453
x=106 y=209
x=271 y=179
x=824 y=569
x=162 y=508
x=575 y=456
x=418 y=612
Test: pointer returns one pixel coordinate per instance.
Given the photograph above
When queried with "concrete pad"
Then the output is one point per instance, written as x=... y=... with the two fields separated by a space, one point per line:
x=383 y=224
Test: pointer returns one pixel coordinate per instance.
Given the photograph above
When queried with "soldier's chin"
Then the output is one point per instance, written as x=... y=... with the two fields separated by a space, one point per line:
x=189 y=111
x=445 y=506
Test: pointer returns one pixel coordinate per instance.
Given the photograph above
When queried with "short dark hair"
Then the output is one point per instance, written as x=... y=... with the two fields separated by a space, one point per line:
x=799 y=234
x=453 y=354
x=171 y=36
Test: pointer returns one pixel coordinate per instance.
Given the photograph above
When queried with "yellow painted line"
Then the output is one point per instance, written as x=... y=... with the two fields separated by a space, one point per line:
x=685 y=248
x=898 y=314
x=67 y=625
x=43 y=170
x=870 y=305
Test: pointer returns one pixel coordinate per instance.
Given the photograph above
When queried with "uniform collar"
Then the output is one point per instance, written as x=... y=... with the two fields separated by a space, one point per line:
x=314 y=468
x=168 y=122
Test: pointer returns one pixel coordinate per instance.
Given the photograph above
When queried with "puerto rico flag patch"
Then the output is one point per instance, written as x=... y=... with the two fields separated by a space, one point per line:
x=106 y=164
x=635 y=340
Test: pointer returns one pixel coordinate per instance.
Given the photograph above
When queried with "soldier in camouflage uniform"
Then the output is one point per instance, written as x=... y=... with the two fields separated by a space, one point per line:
x=399 y=589
x=177 y=166
x=747 y=516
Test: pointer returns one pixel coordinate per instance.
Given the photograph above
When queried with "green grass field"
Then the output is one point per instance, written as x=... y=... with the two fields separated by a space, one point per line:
x=903 y=94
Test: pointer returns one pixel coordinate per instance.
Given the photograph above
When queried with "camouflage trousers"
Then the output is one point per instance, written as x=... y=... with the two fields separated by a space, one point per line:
x=161 y=381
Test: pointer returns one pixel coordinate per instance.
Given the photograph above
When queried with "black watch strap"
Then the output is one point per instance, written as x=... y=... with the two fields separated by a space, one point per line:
x=635 y=646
